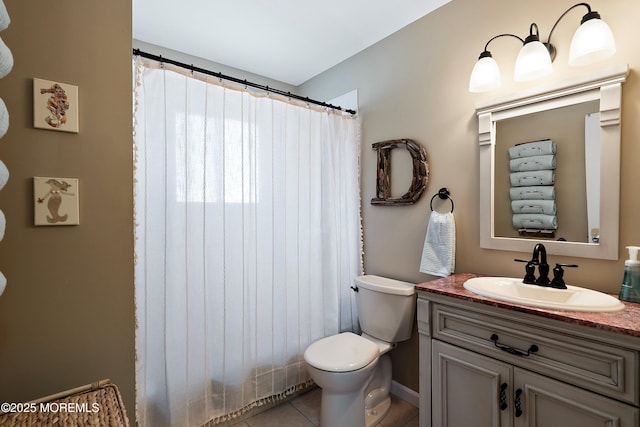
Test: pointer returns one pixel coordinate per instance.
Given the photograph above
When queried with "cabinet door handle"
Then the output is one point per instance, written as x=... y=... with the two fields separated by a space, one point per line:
x=512 y=350
x=517 y=403
x=503 y=396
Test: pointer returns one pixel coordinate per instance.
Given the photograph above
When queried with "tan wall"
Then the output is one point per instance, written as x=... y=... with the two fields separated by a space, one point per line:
x=414 y=85
x=67 y=315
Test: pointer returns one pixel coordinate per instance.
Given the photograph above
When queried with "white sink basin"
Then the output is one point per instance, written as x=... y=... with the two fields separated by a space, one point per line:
x=514 y=290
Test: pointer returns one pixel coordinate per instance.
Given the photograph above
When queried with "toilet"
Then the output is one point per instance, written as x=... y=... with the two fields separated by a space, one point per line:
x=354 y=371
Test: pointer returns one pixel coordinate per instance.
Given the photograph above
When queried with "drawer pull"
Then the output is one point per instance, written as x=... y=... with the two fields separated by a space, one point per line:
x=518 y=404
x=503 y=396
x=511 y=350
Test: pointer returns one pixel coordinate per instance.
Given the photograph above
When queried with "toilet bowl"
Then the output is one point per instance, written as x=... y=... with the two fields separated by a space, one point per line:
x=354 y=371
x=342 y=365
x=377 y=400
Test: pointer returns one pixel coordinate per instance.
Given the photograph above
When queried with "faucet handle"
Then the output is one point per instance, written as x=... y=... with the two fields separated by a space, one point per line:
x=530 y=268
x=558 y=273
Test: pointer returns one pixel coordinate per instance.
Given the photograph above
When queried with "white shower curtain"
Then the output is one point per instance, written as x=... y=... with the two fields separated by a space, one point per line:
x=248 y=239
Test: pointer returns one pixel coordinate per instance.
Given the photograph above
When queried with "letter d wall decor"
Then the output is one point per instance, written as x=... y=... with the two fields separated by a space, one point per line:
x=383 y=183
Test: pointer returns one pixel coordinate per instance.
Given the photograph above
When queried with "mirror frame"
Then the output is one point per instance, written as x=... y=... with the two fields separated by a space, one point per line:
x=605 y=86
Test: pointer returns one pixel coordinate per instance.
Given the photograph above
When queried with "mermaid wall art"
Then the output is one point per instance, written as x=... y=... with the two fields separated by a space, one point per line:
x=56 y=201
x=55 y=106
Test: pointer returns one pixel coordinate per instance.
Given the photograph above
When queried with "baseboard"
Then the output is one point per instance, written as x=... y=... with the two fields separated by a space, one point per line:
x=405 y=393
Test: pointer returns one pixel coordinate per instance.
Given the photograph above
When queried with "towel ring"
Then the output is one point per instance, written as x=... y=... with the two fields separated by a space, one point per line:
x=444 y=194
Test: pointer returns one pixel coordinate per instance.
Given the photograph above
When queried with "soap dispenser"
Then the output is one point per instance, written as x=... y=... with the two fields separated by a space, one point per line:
x=630 y=290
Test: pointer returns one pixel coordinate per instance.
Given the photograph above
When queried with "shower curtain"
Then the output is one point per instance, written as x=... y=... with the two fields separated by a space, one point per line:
x=247 y=240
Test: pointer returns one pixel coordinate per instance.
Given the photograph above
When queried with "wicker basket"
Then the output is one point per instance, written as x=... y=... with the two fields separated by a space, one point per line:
x=97 y=404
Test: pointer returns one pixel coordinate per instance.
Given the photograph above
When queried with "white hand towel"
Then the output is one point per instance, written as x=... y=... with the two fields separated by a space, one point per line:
x=6 y=59
x=5 y=20
x=4 y=118
x=535 y=221
x=4 y=174
x=3 y=283
x=547 y=207
x=3 y=224
x=533 y=163
x=533 y=193
x=524 y=179
x=439 y=251
x=534 y=148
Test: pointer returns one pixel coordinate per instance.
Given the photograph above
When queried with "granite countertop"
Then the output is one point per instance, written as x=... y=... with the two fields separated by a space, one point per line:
x=625 y=322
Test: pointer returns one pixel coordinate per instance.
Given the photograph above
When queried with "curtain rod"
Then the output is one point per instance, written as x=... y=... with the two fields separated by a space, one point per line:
x=193 y=68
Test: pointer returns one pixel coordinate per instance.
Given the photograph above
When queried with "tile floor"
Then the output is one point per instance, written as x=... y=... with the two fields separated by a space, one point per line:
x=304 y=411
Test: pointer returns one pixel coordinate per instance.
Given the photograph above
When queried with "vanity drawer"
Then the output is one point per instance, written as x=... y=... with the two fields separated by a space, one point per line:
x=607 y=369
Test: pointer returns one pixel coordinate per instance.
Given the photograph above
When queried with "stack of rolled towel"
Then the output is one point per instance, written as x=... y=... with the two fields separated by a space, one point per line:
x=532 y=192
x=6 y=64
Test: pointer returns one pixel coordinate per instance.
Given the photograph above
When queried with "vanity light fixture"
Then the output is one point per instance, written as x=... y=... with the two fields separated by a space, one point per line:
x=534 y=60
x=592 y=42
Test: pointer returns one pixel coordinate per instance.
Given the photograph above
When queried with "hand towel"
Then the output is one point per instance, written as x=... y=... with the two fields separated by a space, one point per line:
x=535 y=221
x=523 y=179
x=439 y=251
x=3 y=283
x=4 y=174
x=547 y=207
x=546 y=192
x=3 y=224
x=5 y=20
x=533 y=163
x=4 y=118
x=6 y=59
x=534 y=148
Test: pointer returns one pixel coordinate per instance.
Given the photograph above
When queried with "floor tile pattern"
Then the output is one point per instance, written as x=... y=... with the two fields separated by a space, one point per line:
x=304 y=411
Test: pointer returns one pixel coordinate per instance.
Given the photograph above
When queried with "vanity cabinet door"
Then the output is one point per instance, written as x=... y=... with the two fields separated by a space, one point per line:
x=548 y=403
x=469 y=389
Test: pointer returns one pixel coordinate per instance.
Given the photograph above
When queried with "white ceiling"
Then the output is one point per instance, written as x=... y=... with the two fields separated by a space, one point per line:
x=286 y=40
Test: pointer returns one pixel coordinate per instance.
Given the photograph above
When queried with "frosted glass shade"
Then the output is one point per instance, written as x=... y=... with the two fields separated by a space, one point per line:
x=592 y=42
x=532 y=63
x=485 y=75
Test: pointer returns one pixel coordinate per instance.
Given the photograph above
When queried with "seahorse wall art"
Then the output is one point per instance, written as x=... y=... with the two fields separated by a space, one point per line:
x=56 y=201
x=55 y=106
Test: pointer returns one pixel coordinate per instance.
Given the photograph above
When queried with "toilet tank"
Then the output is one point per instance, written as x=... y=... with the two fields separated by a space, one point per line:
x=386 y=307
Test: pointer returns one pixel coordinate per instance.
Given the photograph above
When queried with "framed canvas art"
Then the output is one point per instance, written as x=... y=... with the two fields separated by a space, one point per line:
x=55 y=106
x=56 y=201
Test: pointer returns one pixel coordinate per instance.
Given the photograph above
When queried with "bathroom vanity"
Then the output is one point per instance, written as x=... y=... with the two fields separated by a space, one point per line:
x=485 y=362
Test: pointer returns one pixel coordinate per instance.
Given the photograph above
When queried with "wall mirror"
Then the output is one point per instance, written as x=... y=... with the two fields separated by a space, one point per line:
x=550 y=167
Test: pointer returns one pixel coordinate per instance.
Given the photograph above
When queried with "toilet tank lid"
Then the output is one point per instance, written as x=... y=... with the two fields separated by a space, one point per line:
x=386 y=285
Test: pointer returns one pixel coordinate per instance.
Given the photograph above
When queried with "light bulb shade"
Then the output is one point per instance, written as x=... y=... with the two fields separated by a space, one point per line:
x=592 y=42
x=533 y=62
x=485 y=75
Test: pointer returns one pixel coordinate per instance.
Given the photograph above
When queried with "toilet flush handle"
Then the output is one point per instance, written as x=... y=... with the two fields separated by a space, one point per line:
x=355 y=288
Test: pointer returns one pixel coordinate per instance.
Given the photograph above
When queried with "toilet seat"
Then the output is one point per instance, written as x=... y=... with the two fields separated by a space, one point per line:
x=341 y=353
x=383 y=346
